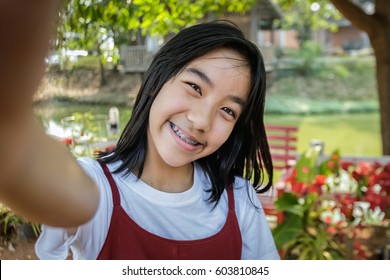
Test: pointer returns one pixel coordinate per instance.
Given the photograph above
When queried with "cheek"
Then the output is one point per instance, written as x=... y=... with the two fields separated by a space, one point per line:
x=219 y=136
x=170 y=100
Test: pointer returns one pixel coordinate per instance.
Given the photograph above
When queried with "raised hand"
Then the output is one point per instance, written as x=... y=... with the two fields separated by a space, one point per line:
x=38 y=177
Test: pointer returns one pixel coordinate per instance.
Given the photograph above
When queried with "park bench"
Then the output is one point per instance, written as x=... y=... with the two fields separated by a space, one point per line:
x=282 y=142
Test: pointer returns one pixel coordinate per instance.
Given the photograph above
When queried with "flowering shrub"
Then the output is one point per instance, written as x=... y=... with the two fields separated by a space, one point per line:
x=84 y=134
x=80 y=131
x=327 y=204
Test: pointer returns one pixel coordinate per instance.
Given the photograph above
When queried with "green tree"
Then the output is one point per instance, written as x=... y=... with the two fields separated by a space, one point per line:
x=91 y=24
x=377 y=27
x=304 y=16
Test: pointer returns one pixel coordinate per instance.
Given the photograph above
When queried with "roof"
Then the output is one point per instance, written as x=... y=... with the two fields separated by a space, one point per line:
x=268 y=10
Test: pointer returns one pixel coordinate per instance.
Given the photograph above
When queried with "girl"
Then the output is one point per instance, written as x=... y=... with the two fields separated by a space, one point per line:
x=174 y=187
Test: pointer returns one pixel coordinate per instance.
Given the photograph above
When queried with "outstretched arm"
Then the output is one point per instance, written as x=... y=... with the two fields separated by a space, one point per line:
x=39 y=178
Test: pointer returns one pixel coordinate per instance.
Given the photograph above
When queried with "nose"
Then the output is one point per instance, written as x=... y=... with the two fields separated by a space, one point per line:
x=201 y=118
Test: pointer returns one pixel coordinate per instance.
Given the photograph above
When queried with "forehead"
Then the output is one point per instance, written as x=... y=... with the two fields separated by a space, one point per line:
x=225 y=69
x=223 y=59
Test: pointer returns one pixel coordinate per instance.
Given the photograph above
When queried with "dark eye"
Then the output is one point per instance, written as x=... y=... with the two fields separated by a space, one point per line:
x=230 y=112
x=195 y=87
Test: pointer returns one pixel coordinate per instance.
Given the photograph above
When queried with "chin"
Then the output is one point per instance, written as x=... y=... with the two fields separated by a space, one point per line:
x=177 y=163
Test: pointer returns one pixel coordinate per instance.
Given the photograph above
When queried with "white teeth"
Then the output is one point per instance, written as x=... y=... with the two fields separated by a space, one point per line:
x=182 y=136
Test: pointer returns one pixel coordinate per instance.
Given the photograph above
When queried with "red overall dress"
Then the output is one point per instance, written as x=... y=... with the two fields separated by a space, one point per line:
x=126 y=240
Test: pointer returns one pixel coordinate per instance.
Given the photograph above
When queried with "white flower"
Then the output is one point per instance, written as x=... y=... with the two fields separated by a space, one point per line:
x=344 y=183
x=335 y=216
x=377 y=188
x=363 y=214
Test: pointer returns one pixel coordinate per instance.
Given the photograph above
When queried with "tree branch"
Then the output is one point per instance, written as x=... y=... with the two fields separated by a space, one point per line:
x=356 y=15
x=382 y=8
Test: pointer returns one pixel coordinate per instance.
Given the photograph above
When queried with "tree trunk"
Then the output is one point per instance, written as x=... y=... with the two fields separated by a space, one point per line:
x=377 y=27
x=381 y=45
x=380 y=40
x=103 y=80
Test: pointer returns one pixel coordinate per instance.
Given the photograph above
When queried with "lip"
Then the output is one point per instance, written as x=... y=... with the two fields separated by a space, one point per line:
x=180 y=141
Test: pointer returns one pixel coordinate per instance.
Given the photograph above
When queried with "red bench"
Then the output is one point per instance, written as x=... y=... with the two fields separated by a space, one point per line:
x=282 y=142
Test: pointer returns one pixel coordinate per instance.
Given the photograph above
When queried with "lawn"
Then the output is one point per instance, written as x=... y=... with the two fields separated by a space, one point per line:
x=352 y=134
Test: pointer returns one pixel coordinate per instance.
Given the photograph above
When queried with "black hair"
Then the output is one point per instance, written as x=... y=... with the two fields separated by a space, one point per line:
x=245 y=153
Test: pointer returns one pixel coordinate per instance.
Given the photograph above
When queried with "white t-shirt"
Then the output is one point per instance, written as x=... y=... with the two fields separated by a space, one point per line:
x=177 y=216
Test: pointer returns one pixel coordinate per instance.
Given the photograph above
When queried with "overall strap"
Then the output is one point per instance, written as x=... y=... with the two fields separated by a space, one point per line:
x=114 y=188
x=230 y=197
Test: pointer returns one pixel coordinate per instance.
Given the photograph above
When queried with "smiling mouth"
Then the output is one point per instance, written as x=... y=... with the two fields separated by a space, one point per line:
x=182 y=136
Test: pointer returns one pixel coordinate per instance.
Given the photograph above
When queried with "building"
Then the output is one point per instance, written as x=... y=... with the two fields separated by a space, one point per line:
x=138 y=58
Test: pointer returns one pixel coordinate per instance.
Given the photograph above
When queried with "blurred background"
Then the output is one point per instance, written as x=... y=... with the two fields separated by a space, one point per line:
x=327 y=104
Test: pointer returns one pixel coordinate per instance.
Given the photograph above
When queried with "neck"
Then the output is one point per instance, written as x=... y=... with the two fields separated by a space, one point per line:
x=167 y=178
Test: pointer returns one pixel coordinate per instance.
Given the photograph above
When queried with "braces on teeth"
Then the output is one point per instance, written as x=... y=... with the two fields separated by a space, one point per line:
x=182 y=136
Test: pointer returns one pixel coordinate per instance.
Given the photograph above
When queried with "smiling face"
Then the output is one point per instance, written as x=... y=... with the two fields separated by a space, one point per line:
x=195 y=112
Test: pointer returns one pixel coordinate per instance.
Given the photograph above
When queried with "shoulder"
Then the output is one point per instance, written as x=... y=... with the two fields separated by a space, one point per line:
x=90 y=166
x=257 y=238
x=93 y=168
x=245 y=194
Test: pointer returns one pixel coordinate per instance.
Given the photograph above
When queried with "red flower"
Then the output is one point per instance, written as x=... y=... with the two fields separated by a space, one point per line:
x=359 y=177
x=335 y=157
x=373 y=179
x=299 y=188
x=339 y=223
x=328 y=220
x=376 y=200
x=291 y=177
x=386 y=168
x=347 y=210
x=376 y=165
x=346 y=165
x=331 y=230
x=305 y=169
x=359 y=251
x=320 y=179
x=68 y=141
x=383 y=179
x=364 y=168
x=346 y=202
x=315 y=188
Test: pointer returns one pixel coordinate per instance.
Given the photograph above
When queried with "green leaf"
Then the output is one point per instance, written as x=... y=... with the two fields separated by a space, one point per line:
x=307 y=165
x=286 y=201
x=288 y=230
x=289 y=203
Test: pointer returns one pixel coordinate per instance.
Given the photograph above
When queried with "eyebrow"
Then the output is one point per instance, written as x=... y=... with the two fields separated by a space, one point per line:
x=201 y=75
x=208 y=81
x=237 y=100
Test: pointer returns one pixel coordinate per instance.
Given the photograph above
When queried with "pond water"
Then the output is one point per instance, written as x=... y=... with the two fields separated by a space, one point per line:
x=58 y=111
x=352 y=134
x=84 y=128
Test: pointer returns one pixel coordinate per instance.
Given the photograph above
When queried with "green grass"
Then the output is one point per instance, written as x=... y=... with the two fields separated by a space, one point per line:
x=351 y=134
x=89 y=62
x=328 y=85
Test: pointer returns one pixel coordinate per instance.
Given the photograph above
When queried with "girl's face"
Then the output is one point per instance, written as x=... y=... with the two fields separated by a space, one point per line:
x=195 y=112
